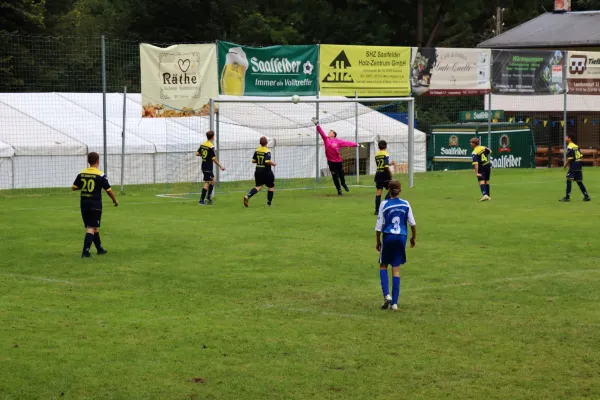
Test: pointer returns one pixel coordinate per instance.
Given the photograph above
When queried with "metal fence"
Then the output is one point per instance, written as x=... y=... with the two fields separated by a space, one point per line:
x=67 y=94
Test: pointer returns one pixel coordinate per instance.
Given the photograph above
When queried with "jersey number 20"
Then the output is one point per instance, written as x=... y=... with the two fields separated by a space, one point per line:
x=88 y=185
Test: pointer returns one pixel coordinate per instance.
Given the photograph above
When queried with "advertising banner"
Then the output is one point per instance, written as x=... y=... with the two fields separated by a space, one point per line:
x=450 y=72
x=480 y=116
x=371 y=71
x=268 y=71
x=179 y=80
x=583 y=75
x=525 y=72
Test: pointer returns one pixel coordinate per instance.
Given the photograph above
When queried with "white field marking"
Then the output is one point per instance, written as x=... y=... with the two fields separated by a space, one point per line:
x=76 y=209
x=428 y=288
x=37 y=278
x=502 y=280
x=182 y=195
x=315 y=311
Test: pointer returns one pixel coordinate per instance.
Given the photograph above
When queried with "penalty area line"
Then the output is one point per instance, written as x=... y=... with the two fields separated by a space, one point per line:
x=37 y=278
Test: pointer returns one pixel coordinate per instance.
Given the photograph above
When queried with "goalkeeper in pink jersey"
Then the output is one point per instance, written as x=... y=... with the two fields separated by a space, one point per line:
x=334 y=159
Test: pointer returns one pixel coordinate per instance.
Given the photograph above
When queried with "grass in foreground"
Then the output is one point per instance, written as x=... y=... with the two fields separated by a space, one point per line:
x=499 y=299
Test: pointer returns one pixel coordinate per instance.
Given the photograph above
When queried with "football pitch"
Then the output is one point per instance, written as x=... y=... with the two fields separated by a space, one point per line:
x=499 y=300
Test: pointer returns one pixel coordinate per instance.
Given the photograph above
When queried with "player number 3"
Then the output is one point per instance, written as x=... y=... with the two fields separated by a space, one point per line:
x=396 y=229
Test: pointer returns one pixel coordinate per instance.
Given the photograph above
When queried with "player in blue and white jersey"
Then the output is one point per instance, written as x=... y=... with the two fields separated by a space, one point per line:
x=394 y=216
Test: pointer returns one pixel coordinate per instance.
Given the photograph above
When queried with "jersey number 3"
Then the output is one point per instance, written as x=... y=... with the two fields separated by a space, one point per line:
x=396 y=229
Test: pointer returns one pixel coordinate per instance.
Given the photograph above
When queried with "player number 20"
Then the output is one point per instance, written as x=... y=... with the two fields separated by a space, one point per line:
x=88 y=185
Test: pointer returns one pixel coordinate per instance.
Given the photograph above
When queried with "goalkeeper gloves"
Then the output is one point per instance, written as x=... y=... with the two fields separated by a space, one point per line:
x=315 y=120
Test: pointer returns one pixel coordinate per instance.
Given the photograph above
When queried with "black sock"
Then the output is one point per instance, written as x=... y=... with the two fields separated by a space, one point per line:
x=377 y=203
x=569 y=187
x=210 y=190
x=97 y=241
x=252 y=192
x=388 y=195
x=582 y=187
x=87 y=243
x=203 y=194
x=487 y=188
x=270 y=197
x=483 y=189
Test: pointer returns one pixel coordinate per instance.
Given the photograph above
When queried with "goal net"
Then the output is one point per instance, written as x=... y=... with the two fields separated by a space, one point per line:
x=296 y=147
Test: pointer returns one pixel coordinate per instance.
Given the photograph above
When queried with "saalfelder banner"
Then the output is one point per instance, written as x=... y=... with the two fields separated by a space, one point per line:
x=179 y=80
x=528 y=72
x=268 y=71
x=584 y=72
x=369 y=70
x=450 y=72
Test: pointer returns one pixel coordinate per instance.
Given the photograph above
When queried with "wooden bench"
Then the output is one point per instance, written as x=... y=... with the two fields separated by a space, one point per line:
x=590 y=157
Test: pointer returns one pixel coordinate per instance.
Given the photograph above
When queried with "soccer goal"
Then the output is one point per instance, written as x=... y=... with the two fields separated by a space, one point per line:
x=298 y=149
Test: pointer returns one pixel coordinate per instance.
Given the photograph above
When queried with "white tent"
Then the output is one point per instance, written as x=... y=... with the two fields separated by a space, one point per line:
x=45 y=137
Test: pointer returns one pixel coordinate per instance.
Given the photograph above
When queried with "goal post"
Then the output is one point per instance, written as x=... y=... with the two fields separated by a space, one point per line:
x=296 y=146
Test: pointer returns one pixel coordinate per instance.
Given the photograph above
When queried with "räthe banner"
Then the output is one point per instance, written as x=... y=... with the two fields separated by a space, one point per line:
x=179 y=80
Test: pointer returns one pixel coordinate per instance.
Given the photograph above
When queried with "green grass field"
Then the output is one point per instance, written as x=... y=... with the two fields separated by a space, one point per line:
x=499 y=300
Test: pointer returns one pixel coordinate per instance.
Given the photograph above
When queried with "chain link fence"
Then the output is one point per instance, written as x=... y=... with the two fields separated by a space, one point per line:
x=52 y=113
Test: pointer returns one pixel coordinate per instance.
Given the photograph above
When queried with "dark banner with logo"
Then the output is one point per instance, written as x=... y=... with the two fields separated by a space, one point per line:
x=526 y=72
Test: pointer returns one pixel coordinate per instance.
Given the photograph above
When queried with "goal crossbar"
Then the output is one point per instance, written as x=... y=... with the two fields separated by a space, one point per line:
x=410 y=101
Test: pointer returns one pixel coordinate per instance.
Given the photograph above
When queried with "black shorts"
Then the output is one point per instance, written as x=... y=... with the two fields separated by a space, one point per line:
x=266 y=178
x=382 y=180
x=208 y=176
x=91 y=217
x=575 y=175
x=335 y=167
x=485 y=171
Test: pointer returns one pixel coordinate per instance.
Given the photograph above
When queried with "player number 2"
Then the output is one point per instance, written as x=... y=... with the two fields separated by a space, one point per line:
x=88 y=185
x=396 y=229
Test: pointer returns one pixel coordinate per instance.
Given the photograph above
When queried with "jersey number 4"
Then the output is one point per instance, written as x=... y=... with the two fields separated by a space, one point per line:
x=88 y=185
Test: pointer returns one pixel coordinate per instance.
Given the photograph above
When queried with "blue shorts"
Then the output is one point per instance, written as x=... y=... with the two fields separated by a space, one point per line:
x=393 y=250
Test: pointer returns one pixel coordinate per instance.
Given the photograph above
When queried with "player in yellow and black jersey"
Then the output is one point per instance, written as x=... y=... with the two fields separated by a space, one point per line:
x=263 y=176
x=207 y=152
x=483 y=167
x=383 y=176
x=575 y=169
x=91 y=181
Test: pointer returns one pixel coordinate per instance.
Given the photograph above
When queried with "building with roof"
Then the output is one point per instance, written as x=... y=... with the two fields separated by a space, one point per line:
x=561 y=29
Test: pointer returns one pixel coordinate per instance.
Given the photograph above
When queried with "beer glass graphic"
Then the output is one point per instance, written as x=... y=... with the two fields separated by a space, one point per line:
x=234 y=72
